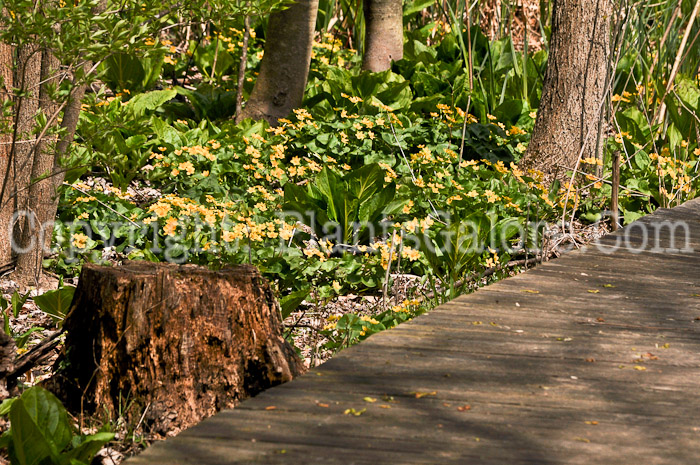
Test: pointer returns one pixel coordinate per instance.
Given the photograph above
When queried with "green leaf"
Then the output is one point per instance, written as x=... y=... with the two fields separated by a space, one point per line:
x=88 y=447
x=56 y=303
x=123 y=71
x=40 y=427
x=150 y=101
x=291 y=302
x=18 y=302
x=6 y=405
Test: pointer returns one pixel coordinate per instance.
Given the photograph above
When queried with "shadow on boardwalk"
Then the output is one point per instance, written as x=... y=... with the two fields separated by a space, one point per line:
x=591 y=358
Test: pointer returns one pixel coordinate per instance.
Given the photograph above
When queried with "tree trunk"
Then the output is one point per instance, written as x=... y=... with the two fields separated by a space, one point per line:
x=28 y=79
x=6 y=184
x=285 y=65
x=181 y=342
x=574 y=87
x=42 y=202
x=384 y=34
x=7 y=357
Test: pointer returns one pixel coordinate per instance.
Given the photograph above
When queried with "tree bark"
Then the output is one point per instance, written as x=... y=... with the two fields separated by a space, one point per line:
x=574 y=87
x=6 y=181
x=384 y=34
x=42 y=200
x=181 y=342
x=285 y=65
x=7 y=357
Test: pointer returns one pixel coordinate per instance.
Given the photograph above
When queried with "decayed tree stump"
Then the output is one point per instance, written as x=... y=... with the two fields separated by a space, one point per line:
x=180 y=342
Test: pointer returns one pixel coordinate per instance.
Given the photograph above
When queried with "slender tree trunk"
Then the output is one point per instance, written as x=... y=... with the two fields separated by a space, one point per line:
x=384 y=34
x=42 y=200
x=45 y=167
x=27 y=79
x=285 y=65
x=6 y=181
x=574 y=87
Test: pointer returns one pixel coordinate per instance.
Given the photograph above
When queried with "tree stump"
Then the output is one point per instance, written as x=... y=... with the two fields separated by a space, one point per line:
x=170 y=344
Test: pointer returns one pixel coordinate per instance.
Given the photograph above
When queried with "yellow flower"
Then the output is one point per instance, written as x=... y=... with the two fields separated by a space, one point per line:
x=410 y=254
x=336 y=286
x=491 y=197
x=80 y=240
x=408 y=206
x=514 y=131
x=160 y=209
x=169 y=60
x=170 y=226
x=187 y=167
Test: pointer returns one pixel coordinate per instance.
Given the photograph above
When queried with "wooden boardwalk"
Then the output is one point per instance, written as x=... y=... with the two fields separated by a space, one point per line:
x=593 y=358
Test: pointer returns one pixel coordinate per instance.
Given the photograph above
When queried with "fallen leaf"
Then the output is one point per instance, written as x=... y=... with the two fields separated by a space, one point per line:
x=583 y=440
x=370 y=399
x=464 y=408
x=321 y=404
x=385 y=406
x=591 y=422
x=640 y=368
x=590 y=360
x=600 y=320
x=594 y=291
x=352 y=411
x=608 y=285
x=419 y=394
x=530 y=291
x=270 y=407
x=476 y=322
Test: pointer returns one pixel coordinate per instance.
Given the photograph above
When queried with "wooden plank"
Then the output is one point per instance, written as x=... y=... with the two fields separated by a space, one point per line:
x=590 y=358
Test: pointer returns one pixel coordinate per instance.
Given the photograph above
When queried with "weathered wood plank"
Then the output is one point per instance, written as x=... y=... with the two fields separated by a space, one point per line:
x=590 y=358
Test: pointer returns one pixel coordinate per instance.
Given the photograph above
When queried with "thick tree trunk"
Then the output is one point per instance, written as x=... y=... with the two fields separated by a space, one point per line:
x=574 y=87
x=384 y=34
x=285 y=65
x=181 y=342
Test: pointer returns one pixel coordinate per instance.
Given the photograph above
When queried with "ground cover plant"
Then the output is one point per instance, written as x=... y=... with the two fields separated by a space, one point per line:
x=384 y=193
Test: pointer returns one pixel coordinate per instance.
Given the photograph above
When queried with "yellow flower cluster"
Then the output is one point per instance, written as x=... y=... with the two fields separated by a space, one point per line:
x=406 y=306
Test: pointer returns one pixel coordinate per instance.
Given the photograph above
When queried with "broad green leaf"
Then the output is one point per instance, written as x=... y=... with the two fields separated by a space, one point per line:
x=56 y=303
x=40 y=427
x=150 y=100
x=291 y=302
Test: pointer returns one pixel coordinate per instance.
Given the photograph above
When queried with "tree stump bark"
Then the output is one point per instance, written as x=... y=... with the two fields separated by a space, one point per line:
x=171 y=344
